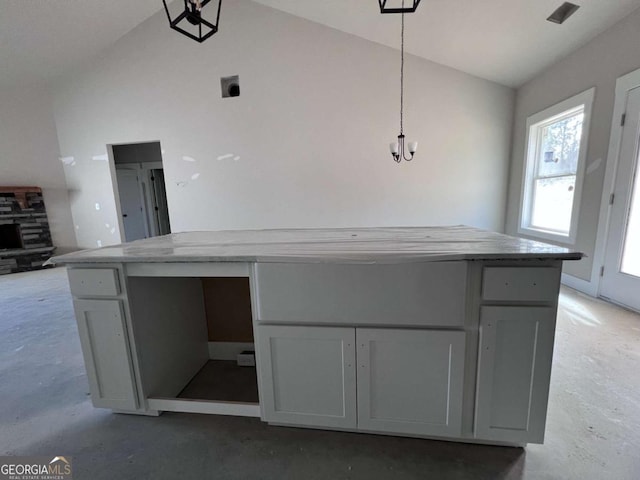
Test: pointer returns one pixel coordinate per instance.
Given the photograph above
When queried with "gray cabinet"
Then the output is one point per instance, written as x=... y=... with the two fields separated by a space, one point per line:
x=514 y=369
x=308 y=375
x=454 y=350
x=105 y=346
x=410 y=381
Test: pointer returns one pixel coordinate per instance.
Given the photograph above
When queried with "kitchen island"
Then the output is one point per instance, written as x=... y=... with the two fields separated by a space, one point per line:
x=434 y=332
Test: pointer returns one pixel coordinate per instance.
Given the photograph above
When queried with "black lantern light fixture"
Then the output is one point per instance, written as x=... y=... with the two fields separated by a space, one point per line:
x=398 y=148
x=385 y=9
x=190 y=21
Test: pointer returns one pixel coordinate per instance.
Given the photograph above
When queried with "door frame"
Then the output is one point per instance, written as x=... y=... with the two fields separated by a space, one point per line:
x=114 y=180
x=624 y=84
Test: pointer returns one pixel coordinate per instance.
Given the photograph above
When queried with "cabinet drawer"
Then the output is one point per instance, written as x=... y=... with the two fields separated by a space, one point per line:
x=521 y=284
x=94 y=282
x=420 y=294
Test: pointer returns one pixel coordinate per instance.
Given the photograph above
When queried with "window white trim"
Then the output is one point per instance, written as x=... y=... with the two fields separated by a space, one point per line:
x=534 y=121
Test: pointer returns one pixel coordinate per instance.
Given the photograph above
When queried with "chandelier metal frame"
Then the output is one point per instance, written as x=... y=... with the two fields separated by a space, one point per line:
x=192 y=14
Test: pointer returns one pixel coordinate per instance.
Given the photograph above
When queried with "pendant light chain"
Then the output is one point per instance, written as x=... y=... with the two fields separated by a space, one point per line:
x=402 y=71
x=399 y=150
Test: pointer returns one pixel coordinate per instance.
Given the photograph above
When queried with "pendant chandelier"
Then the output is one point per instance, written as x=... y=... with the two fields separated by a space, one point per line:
x=411 y=9
x=398 y=149
x=190 y=21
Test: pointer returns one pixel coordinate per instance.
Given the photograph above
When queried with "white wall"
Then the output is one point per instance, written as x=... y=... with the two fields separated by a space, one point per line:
x=29 y=155
x=599 y=63
x=310 y=130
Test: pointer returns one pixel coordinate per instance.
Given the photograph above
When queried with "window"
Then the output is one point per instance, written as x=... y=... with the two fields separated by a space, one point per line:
x=554 y=167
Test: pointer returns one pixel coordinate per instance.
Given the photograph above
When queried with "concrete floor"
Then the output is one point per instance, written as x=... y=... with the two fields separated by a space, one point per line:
x=593 y=428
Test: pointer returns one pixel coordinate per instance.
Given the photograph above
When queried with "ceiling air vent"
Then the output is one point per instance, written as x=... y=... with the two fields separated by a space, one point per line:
x=563 y=12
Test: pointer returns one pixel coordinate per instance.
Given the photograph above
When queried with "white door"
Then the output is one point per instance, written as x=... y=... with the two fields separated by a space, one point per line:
x=621 y=276
x=131 y=204
x=410 y=381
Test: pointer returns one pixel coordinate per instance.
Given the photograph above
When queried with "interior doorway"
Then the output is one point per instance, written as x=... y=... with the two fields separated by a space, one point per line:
x=141 y=198
x=620 y=281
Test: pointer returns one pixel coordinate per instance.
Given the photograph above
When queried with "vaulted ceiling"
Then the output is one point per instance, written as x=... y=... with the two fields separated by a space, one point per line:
x=506 y=41
x=40 y=39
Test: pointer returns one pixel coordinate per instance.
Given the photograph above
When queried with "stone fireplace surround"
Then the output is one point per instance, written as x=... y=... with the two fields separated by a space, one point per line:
x=25 y=238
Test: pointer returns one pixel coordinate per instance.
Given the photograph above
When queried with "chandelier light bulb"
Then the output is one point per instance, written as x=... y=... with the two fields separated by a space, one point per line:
x=413 y=147
x=393 y=147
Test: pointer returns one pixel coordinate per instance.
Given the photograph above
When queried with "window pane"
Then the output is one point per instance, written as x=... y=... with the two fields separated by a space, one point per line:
x=552 y=203
x=631 y=252
x=560 y=146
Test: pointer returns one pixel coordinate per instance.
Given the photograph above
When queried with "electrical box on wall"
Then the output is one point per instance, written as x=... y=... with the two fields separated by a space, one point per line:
x=247 y=359
x=230 y=86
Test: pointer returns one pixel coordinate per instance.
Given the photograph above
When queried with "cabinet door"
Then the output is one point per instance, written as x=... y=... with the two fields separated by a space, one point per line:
x=514 y=368
x=410 y=381
x=308 y=375
x=105 y=346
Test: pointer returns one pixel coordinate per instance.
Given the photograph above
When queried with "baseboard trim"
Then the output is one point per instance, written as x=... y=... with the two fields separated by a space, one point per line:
x=581 y=285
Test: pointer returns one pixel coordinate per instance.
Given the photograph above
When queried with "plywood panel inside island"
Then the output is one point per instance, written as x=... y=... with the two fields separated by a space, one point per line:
x=228 y=309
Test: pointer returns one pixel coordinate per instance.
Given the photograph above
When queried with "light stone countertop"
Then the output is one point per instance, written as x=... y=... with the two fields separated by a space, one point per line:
x=335 y=245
